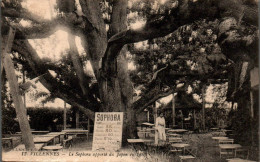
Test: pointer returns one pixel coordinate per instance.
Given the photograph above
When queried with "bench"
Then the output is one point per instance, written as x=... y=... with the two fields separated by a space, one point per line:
x=21 y=147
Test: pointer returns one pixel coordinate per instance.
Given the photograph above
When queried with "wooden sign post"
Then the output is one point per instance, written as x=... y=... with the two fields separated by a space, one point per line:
x=107 y=131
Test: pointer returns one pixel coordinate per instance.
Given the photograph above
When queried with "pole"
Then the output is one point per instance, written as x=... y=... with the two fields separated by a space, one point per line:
x=15 y=92
x=194 y=119
x=148 y=116
x=252 y=114
x=252 y=104
x=88 y=124
x=173 y=110
x=65 y=116
x=181 y=119
x=154 y=112
x=24 y=95
x=77 y=118
x=203 y=106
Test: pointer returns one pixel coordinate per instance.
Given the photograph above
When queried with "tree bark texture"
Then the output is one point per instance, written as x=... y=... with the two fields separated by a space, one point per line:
x=116 y=88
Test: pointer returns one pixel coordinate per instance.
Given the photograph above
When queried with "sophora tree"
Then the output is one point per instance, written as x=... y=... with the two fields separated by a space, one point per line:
x=103 y=27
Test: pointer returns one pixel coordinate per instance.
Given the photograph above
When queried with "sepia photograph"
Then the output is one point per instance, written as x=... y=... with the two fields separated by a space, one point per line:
x=130 y=80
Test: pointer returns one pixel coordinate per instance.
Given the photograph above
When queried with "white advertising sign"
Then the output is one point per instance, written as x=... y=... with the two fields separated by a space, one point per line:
x=107 y=131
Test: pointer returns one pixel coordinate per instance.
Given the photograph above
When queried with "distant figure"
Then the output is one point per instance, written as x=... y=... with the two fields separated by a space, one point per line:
x=160 y=129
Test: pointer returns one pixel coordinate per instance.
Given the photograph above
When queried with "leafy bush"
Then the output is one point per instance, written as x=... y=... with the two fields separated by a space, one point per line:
x=9 y=125
x=213 y=117
x=45 y=118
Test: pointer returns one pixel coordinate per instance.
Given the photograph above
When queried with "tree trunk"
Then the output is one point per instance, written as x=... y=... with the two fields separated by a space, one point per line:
x=115 y=87
x=117 y=95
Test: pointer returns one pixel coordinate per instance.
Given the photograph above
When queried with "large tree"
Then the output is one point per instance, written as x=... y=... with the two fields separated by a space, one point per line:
x=112 y=89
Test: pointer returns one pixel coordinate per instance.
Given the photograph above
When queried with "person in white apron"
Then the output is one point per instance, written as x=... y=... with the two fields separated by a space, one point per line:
x=160 y=129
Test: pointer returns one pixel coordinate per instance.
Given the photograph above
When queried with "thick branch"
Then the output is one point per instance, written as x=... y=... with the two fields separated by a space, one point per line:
x=215 y=75
x=68 y=22
x=96 y=38
x=186 y=12
x=156 y=74
x=150 y=98
x=90 y=113
x=74 y=54
x=55 y=87
x=92 y=13
x=23 y=13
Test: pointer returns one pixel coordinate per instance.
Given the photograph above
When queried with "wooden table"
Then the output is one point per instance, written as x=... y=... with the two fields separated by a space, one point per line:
x=178 y=130
x=76 y=132
x=138 y=144
x=228 y=149
x=59 y=133
x=43 y=139
x=226 y=130
x=47 y=135
x=175 y=140
x=180 y=146
x=139 y=140
x=214 y=129
x=62 y=135
x=219 y=138
x=55 y=137
x=173 y=135
x=146 y=125
x=229 y=146
x=239 y=160
x=52 y=148
x=35 y=132
x=21 y=147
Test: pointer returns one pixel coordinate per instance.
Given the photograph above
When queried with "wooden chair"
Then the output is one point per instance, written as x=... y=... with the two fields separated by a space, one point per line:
x=242 y=152
x=191 y=154
x=226 y=152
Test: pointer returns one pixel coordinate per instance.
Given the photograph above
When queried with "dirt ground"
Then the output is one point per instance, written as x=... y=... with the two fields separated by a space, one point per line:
x=205 y=148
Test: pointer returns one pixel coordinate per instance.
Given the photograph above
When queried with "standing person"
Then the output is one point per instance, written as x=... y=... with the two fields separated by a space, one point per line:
x=160 y=129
